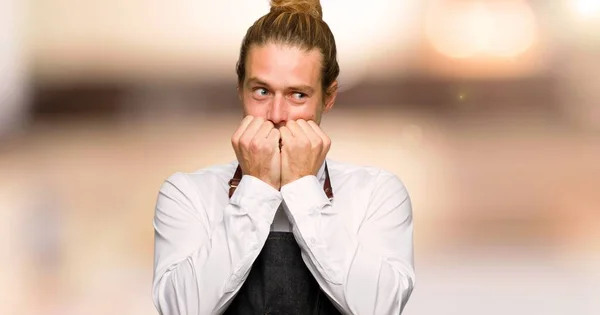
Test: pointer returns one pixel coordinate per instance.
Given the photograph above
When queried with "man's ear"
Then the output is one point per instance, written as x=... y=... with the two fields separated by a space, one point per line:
x=330 y=96
x=239 y=92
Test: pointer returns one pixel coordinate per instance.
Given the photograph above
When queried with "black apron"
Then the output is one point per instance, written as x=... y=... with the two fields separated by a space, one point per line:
x=279 y=281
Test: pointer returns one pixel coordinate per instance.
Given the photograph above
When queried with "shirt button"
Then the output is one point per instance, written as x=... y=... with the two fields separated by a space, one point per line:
x=313 y=241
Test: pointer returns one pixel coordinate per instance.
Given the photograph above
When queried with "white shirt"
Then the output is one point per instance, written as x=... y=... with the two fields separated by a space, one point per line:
x=358 y=245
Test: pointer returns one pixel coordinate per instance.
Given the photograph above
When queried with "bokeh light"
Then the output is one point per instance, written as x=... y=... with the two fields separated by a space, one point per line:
x=587 y=8
x=462 y=29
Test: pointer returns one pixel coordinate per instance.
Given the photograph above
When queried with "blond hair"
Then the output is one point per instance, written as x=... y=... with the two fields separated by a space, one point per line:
x=297 y=23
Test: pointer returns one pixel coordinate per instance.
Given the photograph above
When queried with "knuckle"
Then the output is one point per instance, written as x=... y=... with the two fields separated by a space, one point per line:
x=254 y=145
x=318 y=144
x=305 y=144
x=262 y=145
x=244 y=142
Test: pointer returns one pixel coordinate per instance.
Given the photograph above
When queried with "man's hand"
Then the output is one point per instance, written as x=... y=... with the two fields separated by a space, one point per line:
x=304 y=148
x=256 y=146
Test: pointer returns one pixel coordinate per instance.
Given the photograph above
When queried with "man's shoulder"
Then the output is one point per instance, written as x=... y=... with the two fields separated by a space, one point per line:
x=366 y=177
x=209 y=176
x=343 y=169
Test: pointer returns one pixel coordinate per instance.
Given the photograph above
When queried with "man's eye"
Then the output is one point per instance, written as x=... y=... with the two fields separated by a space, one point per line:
x=299 y=96
x=261 y=92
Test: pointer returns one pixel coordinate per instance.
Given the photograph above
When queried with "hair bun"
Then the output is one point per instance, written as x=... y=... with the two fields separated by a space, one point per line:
x=312 y=7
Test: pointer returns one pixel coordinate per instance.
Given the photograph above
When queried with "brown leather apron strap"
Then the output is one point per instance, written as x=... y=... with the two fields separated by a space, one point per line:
x=327 y=185
x=235 y=181
x=237 y=177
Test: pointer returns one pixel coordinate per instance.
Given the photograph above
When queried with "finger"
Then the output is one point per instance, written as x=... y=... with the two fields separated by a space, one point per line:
x=318 y=131
x=286 y=134
x=312 y=136
x=295 y=129
x=326 y=140
x=274 y=137
x=235 y=138
x=251 y=130
x=264 y=130
x=243 y=125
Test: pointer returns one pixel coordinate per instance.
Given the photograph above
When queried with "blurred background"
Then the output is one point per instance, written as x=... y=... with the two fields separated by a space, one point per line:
x=489 y=111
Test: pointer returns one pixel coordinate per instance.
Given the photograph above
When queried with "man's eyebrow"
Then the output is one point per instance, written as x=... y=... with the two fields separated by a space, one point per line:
x=302 y=87
x=296 y=87
x=258 y=81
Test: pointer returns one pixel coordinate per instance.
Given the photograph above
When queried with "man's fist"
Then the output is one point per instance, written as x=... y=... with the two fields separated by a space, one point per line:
x=256 y=146
x=303 y=151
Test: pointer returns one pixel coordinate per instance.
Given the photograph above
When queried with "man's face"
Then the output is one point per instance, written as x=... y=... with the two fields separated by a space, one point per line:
x=283 y=83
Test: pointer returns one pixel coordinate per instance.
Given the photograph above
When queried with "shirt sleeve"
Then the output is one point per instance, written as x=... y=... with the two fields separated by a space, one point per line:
x=199 y=266
x=368 y=272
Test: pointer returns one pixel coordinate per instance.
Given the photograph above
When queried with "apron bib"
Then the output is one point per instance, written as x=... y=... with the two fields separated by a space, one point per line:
x=279 y=281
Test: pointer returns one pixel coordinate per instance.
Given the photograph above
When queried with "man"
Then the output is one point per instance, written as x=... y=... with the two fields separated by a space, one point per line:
x=283 y=230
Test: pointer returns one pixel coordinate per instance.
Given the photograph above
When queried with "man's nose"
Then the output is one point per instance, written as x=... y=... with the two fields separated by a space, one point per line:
x=277 y=112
